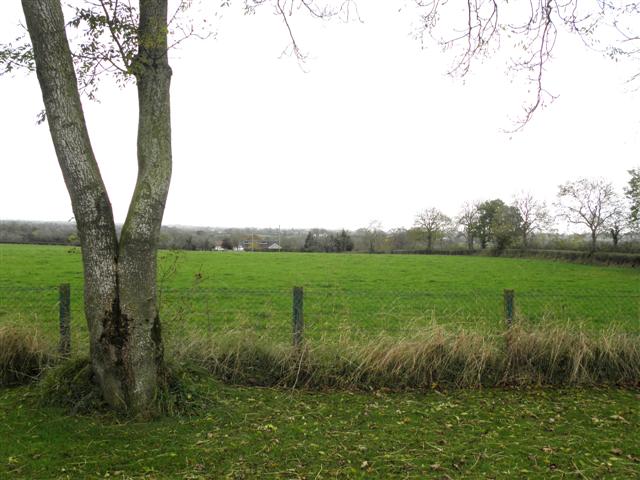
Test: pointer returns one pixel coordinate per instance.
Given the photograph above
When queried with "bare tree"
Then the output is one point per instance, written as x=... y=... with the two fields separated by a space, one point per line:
x=468 y=220
x=588 y=202
x=476 y=29
x=373 y=235
x=534 y=215
x=433 y=223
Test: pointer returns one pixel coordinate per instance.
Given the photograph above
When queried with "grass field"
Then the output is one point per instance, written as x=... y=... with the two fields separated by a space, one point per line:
x=265 y=433
x=366 y=293
x=243 y=433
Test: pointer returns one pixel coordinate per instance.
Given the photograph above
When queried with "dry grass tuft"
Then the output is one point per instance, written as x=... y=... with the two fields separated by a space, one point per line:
x=431 y=357
x=23 y=355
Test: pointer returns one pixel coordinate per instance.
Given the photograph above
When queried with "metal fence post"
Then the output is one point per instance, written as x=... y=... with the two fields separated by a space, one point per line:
x=509 y=306
x=298 y=316
x=64 y=347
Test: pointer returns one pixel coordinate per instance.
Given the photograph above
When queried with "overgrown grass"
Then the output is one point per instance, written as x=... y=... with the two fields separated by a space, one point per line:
x=70 y=385
x=23 y=355
x=430 y=358
x=433 y=357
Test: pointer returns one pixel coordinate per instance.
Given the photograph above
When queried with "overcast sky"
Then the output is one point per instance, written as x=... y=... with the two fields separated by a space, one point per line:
x=370 y=129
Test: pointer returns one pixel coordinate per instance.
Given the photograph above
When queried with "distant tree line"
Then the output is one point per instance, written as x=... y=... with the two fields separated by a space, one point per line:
x=318 y=240
x=600 y=218
x=589 y=205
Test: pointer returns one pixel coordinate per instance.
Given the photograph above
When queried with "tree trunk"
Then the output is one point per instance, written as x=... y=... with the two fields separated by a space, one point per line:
x=119 y=277
x=615 y=236
x=593 y=240
x=141 y=230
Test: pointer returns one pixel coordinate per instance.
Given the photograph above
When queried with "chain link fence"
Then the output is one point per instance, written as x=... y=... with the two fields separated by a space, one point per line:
x=333 y=312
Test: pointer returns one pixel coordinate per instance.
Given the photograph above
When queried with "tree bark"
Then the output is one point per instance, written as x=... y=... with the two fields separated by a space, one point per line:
x=119 y=276
x=141 y=230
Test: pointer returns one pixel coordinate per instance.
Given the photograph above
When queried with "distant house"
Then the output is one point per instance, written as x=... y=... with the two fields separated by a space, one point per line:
x=239 y=248
x=260 y=244
x=218 y=248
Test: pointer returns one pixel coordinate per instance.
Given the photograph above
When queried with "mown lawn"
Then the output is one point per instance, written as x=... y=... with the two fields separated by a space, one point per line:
x=364 y=293
x=266 y=433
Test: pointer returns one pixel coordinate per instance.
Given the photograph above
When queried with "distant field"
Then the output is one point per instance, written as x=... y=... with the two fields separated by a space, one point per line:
x=369 y=293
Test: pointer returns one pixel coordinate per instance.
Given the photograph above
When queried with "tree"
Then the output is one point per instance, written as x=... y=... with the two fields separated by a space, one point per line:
x=588 y=202
x=373 y=235
x=226 y=243
x=119 y=274
x=399 y=239
x=504 y=227
x=632 y=192
x=497 y=223
x=534 y=216
x=486 y=211
x=342 y=242
x=120 y=294
x=433 y=223
x=318 y=240
x=468 y=220
x=616 y=226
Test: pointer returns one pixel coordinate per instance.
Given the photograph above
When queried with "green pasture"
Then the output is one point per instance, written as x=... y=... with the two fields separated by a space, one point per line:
x=239 y=432
x=350 y=294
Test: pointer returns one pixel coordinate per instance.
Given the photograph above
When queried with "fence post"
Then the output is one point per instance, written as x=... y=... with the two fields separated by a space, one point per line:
x=509 y=306
x=298 y=316
x=64 y=347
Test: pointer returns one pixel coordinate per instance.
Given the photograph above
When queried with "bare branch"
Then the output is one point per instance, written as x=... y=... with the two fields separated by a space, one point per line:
x=531 y=28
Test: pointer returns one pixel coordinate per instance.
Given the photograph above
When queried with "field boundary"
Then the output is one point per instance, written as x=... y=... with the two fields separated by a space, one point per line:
x=600 y=258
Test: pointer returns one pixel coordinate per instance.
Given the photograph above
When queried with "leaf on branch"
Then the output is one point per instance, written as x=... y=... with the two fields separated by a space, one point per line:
x=16 y=56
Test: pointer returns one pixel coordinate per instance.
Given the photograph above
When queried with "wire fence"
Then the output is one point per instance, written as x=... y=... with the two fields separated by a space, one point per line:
x=326 y=312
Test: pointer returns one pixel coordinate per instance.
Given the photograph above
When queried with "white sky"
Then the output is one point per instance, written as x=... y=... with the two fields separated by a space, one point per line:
x=373 y=129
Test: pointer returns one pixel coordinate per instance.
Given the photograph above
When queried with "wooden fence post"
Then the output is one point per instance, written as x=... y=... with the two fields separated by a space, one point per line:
x=298 y=316
x=509 y=306
x=64 y=347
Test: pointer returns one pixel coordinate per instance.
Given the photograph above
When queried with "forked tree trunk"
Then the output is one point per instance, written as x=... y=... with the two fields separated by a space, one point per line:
x=119 y=276
x=615 y=236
